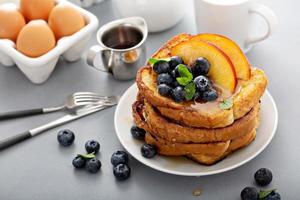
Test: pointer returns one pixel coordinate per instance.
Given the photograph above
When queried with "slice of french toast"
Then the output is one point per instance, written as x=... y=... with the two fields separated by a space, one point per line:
x=148 y=118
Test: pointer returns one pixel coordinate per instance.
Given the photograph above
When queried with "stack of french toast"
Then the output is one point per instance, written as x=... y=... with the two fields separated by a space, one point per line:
x=210 y=108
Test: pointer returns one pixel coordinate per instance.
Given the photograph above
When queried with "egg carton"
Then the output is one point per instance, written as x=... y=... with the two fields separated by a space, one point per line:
x=70 y=48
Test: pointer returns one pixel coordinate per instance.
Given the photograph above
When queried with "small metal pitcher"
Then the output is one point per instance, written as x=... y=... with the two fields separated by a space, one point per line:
x=121 y=48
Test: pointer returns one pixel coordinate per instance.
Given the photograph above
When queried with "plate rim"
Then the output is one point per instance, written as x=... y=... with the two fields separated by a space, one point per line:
x=198 y=174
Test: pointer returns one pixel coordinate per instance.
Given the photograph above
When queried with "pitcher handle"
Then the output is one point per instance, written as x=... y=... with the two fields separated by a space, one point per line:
x=91 y=56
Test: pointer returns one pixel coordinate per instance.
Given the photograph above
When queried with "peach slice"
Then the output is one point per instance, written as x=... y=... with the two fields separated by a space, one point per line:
x=221 y=70
x=233 y=51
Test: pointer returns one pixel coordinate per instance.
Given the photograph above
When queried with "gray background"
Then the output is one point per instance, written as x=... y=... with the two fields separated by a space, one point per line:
x=41 y=169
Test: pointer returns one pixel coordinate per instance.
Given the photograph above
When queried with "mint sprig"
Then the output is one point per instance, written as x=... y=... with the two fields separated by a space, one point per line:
x=88 y=156
x=152 y=61
x=226 y=104
x=190 y=90
x=185 y=76
x=264 y=193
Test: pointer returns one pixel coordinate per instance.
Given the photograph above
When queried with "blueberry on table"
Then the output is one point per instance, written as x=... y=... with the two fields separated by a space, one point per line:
x=93 y=165
x=263 y=177
x=164 y=90
x=273 y=196
x=200 y=67
x=210 y=95
x=161 y=66
x=137 y=132
x=65 y=137
x=249 y=193
x=202 y=83
x=178 y=94
x=79 y=162
x=119 y=157
x=164 y=79
x=148 y=151
x=174 y=61
x=121 y=172
x=92 y=146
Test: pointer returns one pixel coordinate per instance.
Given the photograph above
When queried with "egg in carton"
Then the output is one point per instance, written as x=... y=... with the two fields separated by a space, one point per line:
x=86 y=3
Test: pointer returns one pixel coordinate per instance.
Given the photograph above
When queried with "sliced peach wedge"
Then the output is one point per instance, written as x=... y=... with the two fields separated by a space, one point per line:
x=233 y=51
x=221 y=72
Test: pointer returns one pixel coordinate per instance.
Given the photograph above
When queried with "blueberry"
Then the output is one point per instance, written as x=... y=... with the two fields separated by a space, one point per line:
x=164 y=79
x=93 y=165
x=263 y=177
x=148 y=151
x=119 y=157
x=200 y=67
x=92 y=146
x=210 y=95
x=249 y=193
x=164 y=90
x=178 y=94
x=175 y=60
x=137 y=132
x=202 y=83
x=273 y=196
x=78 y=162
x=65 y=137
x=198 y=95
x=161 y=67
x=121 y=172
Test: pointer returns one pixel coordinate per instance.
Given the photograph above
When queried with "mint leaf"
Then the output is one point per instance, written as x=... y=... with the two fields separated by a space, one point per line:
x=87 y=156
x=185 y=75
x=152 y=61
x=190 y=90
x=226 y=104
x=264 y=193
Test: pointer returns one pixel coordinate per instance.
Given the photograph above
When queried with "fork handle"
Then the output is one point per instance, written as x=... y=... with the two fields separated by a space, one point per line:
x=21 y=113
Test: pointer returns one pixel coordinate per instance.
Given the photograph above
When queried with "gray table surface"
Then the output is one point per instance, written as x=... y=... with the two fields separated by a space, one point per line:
x=41 y=169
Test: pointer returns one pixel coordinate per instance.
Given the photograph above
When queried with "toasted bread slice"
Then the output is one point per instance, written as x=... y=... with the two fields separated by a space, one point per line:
x=246 y=96
x=148 y=118
x=235 y=144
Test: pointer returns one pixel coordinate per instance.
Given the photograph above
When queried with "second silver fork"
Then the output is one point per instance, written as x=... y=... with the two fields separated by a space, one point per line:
x=72 y=103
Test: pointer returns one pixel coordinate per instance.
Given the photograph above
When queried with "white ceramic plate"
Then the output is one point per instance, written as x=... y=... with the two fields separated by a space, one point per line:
x=182 y=166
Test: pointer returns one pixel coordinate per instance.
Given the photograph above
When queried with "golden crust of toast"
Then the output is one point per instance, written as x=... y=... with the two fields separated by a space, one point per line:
x=146 y=117
x=248 y=94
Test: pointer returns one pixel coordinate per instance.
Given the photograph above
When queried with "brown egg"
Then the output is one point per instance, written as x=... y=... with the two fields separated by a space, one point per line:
x=36 y=9
x=11 y=22
x=64 y=20
x=36 y=39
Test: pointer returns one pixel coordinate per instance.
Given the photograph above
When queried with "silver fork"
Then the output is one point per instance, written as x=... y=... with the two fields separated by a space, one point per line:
x=72 y=103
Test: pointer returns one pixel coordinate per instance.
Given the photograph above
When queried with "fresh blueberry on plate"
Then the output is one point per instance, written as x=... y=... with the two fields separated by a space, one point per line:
x=93 y=165
x=178 y=94
x=249 y=193
x=273 y=196
x=65 y=137
x=92 y=146
x=137 y=132
x=164 y=90
x=121 y=171
x=263 y=176
x=200 y=67
x=161 y=67
x=164 y=79
x=148 y=151
x=175 y=60
x=119 y=157
x=79 y=162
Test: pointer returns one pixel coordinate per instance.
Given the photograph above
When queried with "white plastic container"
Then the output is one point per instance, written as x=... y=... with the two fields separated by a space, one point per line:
x=38 y=70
